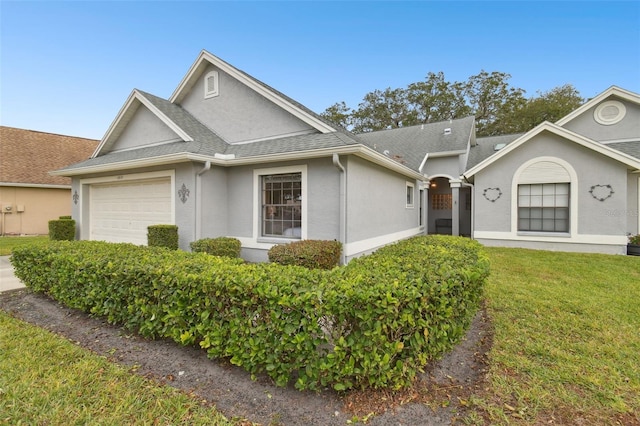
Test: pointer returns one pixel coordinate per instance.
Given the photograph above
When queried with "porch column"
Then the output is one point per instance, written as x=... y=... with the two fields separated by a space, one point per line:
x=455 y=206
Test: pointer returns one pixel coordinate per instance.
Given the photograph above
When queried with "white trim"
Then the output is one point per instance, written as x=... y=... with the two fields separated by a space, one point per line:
x=116 y=126
x=257 y=189
x=85 y=231
x=216 y=85
x=130 y=177
x=357 y=247
x=411 y=185
x=268 y=138
x=227 y=161
x=611 y=91
x=564 y=133
x=149 y=145
x=606 y=142
x=250 y=82
x=546 y=238
x=606 y=121
x=573 y=194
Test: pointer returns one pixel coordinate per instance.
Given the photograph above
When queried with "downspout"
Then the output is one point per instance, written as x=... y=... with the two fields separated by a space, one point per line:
x=198 y=219
x=343 y=207
x=425 y=195
x=473 y=203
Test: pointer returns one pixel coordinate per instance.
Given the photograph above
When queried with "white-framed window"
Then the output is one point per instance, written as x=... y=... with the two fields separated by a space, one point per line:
x=281 y=204
x=543 y=207
x=211 y=84
x=410 y=194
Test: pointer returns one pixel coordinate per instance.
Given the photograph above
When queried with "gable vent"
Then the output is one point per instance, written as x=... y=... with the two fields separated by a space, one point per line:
x=211 y=84
x=447 y=131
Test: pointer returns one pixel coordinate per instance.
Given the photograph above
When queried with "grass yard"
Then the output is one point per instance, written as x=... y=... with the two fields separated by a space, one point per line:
x=45 y=379
x=567 y=339
x=8 y=243
x=566 y=351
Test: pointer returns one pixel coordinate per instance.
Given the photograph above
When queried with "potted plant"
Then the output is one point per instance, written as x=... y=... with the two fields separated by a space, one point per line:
x=633 y=247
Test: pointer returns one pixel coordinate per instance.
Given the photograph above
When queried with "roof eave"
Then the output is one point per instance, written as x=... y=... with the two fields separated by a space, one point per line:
x=229 y=161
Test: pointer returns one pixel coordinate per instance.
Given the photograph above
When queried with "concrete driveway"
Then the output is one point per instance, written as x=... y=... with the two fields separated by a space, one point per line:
x=8 y=280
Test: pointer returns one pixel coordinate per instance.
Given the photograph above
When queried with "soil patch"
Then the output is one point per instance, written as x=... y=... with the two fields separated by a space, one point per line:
x=438 y=398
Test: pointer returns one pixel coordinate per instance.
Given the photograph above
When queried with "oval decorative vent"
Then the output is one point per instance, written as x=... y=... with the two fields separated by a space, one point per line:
x=609 y=112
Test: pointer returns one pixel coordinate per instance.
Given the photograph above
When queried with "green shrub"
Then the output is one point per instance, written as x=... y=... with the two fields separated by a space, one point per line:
x=221 y=246
x=163 y=236
x=312 y=254
x=373 y=323
x=63 y=229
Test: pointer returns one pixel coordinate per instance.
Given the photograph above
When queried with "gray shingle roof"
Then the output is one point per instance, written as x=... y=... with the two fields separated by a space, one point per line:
x=487 y=146
x=205 y=140
x=631 y=148
x=409 y=145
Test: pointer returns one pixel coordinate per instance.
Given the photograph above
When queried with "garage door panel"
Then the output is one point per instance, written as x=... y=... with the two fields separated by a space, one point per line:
x=121 y=212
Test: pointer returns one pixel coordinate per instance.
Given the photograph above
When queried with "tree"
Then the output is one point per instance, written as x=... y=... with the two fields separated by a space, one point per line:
x=548 y=106
x=435 y=99
x=340 y=114
x=488 y=96
x=381 y=110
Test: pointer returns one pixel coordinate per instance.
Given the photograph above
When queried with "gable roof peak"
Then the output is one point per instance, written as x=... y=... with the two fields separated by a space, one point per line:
x=611 y=91
x=291 y=106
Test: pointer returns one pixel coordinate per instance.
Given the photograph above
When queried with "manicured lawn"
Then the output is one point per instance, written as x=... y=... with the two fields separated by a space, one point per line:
x=45 y=379
x=8 y=243
x=567 y=339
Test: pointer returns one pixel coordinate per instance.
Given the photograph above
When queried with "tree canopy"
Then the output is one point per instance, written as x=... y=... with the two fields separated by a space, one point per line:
x=498 y=107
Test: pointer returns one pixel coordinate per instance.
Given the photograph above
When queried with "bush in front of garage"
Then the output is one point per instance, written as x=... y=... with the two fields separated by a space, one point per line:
x=62 y=229
x=371 y=324
x=220 y=246
x=163 y=236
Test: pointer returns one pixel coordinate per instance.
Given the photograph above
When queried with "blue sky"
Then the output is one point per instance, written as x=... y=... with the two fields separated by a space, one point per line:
x=68 y=67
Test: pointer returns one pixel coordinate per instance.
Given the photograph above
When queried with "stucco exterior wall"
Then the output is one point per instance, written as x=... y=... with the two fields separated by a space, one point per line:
x=444 y=166
x=594 y=225
x=144 y=129
x=322 y=205
x=40 y=206
x=238 y=113
x=628 y=127
x=377 y=212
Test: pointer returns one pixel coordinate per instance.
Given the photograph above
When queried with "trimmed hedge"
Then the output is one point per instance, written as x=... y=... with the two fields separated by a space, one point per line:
x=312 y=254
x=221 y=246
x=62 y=229
x=163 y=236
x=373 y=323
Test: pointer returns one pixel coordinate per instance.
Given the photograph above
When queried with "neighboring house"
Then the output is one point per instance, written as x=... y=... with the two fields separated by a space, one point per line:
x=227 y=155
x=29 y=195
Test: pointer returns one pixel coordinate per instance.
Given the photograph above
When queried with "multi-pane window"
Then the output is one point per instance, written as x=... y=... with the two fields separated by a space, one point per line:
x=282 y=205
x=543 y=207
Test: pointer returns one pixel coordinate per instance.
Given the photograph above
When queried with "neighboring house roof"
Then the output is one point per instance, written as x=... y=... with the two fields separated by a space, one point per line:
x=27 y=156
x=410 y=145
x=622 y=157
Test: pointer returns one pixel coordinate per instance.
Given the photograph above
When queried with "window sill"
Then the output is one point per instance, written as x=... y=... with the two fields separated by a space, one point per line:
x=277 y=240
x=544 y=234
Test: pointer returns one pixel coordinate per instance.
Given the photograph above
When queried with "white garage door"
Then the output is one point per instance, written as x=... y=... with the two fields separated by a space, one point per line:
x=121 y=212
